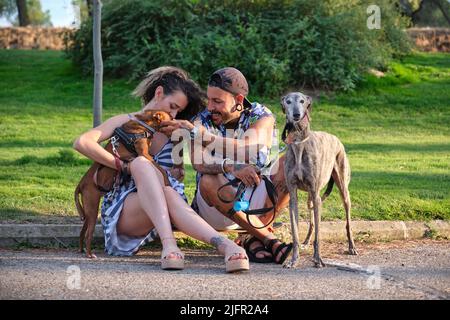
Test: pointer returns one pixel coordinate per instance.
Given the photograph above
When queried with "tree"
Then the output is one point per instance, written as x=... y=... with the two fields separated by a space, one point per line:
x=425 y=11
x=36 y=15
x=444 y=6
x=24 y=12
x=7 y=7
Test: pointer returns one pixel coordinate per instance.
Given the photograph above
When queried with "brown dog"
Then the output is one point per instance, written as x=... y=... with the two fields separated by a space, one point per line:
x=131 y=140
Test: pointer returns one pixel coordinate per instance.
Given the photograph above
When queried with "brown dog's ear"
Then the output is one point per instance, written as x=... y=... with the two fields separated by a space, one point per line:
x=161 y=116
x=145 y=116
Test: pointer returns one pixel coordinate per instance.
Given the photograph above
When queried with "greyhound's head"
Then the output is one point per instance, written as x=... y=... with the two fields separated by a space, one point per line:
x=297 y=108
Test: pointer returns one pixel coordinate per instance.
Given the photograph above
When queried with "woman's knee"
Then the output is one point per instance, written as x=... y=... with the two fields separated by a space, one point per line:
x=142 y=165
x=139 y=164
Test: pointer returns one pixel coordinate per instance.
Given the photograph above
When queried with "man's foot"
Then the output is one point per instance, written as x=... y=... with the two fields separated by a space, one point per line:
x=280 y=250
x=256 y=250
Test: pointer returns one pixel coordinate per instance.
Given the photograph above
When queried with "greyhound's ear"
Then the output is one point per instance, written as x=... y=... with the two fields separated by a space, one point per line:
x=282 y=104
x=309 y=100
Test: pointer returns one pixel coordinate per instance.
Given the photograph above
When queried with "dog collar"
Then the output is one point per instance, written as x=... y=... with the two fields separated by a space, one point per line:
x=299 y=142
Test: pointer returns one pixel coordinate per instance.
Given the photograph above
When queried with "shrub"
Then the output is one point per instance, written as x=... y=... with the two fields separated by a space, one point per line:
x=277 y=44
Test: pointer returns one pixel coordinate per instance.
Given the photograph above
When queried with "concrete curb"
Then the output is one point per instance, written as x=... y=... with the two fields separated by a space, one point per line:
x=370 y=231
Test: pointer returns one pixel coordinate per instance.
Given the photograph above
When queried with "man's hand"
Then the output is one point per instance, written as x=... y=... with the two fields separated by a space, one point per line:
x=247 y=173
x=289 y=138
x=177 y=173
x=168 y=127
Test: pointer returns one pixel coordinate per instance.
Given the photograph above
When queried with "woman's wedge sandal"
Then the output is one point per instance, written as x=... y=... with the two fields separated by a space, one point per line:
x=278 y=250
x=173 y=263
x=252 y=252
x=236 y=265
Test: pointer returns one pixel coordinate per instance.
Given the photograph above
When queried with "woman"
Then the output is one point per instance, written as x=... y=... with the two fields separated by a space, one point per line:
x=143 y=208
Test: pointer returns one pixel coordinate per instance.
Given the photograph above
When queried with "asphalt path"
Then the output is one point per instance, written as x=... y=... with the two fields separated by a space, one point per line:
x=394 y=270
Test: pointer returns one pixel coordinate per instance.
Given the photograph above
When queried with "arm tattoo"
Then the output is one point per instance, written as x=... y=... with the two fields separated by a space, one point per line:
x=239 y=166
x=217 y=241
x=209 y=168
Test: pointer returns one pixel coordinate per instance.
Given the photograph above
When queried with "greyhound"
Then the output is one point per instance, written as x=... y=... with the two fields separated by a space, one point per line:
x=313 y=159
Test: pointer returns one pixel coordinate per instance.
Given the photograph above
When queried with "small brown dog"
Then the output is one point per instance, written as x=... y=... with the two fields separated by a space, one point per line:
x=132 y=139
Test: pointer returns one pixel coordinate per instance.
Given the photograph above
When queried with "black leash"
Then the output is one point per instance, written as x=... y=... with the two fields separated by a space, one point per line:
x=271 y=192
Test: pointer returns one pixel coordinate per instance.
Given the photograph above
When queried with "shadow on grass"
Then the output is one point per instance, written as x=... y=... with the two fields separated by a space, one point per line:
x=403 y=182
x=378 y=147
x=33 y=144
x=14 y=215
x=63 y=158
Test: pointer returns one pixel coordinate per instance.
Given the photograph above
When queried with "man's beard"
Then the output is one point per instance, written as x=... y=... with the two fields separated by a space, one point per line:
x=217 y=118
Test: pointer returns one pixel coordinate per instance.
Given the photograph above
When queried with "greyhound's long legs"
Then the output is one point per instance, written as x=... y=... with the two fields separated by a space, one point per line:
x=345 y=196
x=317 y=203
x=293 y=212
x=311 y=222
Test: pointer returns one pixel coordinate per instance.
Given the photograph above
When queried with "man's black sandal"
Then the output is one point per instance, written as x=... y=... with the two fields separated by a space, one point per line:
x=252 y=253
x=278 y=250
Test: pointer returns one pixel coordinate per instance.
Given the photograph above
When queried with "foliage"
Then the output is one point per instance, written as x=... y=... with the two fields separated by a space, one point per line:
x=395 y=131
x=276 y=44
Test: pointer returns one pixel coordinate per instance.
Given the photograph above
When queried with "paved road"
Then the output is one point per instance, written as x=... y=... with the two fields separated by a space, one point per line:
x=396 y=270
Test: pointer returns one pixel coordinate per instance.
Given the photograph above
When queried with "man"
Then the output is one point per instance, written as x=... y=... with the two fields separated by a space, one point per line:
x=231 y=139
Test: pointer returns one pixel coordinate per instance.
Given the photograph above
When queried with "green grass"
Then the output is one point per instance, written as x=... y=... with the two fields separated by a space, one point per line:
x=395 y=129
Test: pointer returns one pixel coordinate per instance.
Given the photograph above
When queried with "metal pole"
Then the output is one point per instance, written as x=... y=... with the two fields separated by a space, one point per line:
x=98 y=63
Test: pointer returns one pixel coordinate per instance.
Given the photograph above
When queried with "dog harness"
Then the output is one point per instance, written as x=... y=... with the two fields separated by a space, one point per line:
x=128 y=140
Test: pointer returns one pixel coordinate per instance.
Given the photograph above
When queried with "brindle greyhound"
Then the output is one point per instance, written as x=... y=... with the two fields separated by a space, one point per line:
x=313 y=159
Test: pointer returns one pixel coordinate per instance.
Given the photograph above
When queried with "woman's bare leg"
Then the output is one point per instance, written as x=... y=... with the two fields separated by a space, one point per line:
x=189 y=222
x=148 y=207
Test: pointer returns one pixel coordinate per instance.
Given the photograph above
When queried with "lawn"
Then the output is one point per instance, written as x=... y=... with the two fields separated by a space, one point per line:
x=395 y=129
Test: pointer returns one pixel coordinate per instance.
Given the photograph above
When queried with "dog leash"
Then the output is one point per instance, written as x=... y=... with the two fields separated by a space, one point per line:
x=271 y=192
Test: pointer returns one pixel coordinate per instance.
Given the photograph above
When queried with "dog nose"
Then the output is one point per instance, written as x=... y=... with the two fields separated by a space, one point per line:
x=296 y=116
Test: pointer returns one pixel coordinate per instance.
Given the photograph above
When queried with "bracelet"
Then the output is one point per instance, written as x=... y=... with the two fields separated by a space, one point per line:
x=223 y=163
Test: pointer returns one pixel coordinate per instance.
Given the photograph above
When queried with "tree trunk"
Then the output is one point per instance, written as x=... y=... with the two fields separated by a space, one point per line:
x=98 y=63
x=24 y=20
x=415 y=14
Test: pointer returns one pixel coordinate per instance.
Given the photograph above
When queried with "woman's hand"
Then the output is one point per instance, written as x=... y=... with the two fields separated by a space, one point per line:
x=168 y=127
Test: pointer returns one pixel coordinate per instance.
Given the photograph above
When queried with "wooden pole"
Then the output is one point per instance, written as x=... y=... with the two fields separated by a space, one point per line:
x=98 y=63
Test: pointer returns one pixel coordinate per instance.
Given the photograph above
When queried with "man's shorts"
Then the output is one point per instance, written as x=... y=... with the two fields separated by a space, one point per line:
x=219 y=221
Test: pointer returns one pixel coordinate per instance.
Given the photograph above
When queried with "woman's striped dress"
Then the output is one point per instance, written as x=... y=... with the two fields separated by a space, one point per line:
x=119 y=245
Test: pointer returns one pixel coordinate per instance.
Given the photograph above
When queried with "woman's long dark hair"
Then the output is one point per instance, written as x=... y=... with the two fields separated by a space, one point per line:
x=172 y=79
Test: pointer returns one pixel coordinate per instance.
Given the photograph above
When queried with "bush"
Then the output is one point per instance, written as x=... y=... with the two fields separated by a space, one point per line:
x=277 y=44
